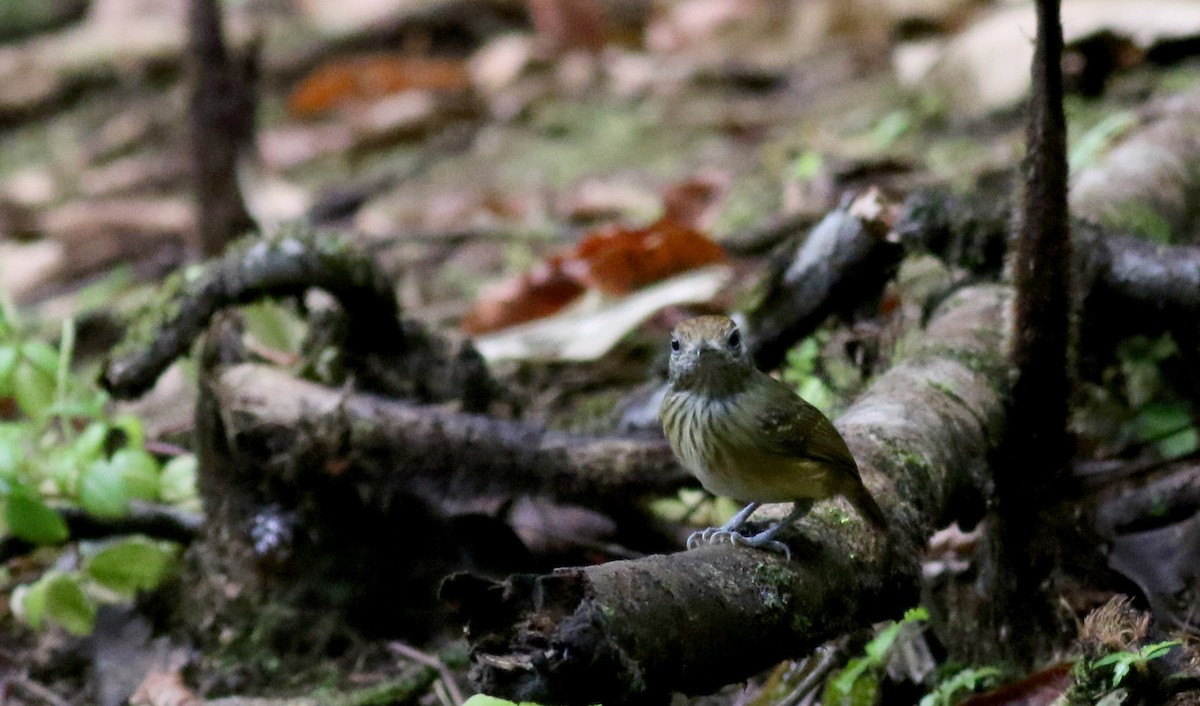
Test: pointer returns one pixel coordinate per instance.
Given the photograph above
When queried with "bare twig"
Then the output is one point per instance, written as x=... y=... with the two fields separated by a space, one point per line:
x=446 y=676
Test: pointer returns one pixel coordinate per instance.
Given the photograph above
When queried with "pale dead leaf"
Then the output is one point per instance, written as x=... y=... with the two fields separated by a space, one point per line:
x=591 y=328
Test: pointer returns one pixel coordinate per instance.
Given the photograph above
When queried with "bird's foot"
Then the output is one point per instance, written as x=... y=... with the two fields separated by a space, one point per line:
x=712 y=535
x=701 y=538
x=763 y=540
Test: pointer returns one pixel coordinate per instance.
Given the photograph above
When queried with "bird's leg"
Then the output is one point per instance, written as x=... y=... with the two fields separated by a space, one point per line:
x=716 y=534
x=766 y=538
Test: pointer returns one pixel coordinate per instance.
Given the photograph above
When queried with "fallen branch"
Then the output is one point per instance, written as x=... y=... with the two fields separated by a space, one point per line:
x=631 y=631
x=276 y=421
x=1124 y=285
x=383 y=352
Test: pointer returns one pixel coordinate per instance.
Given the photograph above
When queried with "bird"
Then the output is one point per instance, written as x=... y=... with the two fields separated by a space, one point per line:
x=746 y=435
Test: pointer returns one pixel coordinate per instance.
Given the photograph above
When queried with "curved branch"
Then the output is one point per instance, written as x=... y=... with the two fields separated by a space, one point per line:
x=388 y=354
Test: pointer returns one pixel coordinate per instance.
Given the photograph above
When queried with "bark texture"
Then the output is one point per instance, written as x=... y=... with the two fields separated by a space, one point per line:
x=634 y=631
x=1033 y=462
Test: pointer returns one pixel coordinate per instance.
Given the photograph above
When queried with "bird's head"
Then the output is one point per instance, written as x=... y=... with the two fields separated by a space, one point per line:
x=708 y=356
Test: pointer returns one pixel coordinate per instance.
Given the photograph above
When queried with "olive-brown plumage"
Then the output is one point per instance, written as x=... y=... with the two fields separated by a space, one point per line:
x=748 y=436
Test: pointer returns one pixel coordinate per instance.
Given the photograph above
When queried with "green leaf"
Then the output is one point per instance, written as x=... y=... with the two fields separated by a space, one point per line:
x=30 y=602
x=68 y=605
x=1161 y=419
x=89 y=445
x=12 y=450
x=807 y=165
x=33 y=389
x=102 y=490
x=1113 y=659
x=8 y=368
x=1092 y=143
x=1182 y=443
x=30 y=519
x=139 y=471
x=1158 y=649
x=274 y=325
x=132 y=565
x=1119 y=672
x=485 y=700
x=890 y=128
x=861 y=692
x=177 y=484
x=42 y=357
x=135 y=433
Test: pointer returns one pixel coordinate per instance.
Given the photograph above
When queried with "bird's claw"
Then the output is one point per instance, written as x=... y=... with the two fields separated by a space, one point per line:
x=717 y=535
x=760 y=542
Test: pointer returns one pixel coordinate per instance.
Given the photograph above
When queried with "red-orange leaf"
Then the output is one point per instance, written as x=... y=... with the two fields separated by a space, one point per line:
x=617 y=260
x=542 y=291
x=370 y=78
x=612 y=259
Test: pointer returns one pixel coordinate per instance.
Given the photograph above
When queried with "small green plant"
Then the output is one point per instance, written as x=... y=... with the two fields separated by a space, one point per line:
x=969 y=680
x=858 y=683
x=60 y=446
x=1123 y=662
x=801 y=373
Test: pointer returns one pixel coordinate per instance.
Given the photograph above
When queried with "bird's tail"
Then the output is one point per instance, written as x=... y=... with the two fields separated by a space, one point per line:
x=862 y=501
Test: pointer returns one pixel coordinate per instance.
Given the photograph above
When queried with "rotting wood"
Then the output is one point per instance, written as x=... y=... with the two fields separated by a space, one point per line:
x=635 y=631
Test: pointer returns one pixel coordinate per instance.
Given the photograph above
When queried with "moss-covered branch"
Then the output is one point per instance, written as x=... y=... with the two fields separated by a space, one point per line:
x=385 y=353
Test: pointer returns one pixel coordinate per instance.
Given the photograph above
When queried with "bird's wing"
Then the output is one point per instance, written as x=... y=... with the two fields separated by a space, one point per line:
x=795 y=428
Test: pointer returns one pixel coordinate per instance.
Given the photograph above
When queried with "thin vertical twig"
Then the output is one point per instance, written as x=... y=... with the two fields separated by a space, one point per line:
x=223 y=104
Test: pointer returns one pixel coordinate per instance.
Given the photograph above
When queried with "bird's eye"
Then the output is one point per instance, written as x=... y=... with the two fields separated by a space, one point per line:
x=735 y=339
x=675 y=344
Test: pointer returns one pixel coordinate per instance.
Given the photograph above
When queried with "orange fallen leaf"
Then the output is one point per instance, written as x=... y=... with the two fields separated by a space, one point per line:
x=542 y=291
x=369 y=78
x=617 y=260
x=613 y=260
